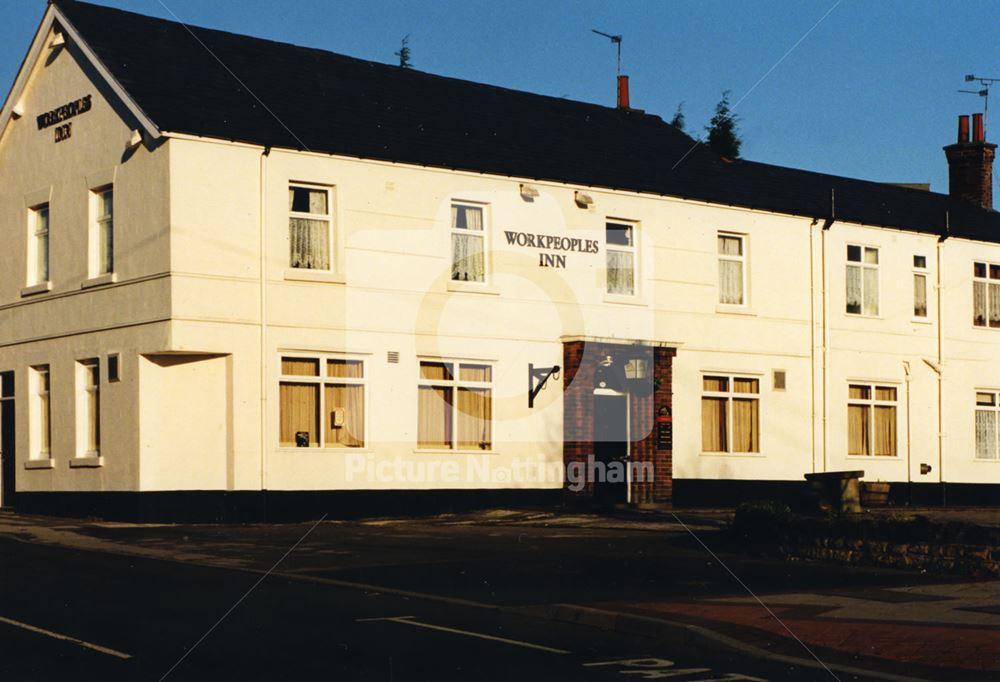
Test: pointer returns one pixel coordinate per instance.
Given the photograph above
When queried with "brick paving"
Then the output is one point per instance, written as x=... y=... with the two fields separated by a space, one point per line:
x=949 y=626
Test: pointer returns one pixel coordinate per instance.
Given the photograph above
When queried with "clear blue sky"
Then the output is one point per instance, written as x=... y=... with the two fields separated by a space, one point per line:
x=870 y=93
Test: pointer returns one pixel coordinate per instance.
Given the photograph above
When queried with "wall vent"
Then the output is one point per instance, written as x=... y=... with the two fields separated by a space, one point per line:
x=392 y=357
x=779 y=380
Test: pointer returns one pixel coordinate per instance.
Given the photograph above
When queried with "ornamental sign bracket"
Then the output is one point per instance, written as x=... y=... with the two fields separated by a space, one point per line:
x=537 y=378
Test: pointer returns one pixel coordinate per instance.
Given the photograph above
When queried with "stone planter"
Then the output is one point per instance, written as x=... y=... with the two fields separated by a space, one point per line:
x=875 y=494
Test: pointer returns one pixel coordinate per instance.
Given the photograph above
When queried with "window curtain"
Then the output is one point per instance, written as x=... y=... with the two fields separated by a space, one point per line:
x=468 y=263
x=621 y=272
x=857 y=430
x=299 y=411
x=474 y=418
x=986 y=434
x=920 y=295
x=434 y=417
x=310 y=243
x=979 y=303
x=871 y=291
x=994 y=305
x=853 y=289
x=351 y=399
x=44 y=413
x=730 y=282
x=746 y=425
x=713 y=425
x=885 y=431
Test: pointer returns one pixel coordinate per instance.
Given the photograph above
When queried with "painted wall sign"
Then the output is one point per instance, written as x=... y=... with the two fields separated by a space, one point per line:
x=60 y=114
x=550 y=242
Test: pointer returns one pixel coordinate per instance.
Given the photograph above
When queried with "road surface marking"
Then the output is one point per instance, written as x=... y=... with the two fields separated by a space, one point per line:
x=409 y=620
x=65 y=638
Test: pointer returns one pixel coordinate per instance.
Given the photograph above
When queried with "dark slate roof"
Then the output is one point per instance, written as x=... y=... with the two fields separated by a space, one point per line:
x=330 y=103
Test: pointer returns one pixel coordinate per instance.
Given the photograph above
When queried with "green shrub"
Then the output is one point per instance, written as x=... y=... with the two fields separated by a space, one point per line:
x=763 y=522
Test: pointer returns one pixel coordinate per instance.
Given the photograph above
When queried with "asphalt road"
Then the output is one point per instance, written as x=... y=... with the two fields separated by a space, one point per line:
x=155 y=613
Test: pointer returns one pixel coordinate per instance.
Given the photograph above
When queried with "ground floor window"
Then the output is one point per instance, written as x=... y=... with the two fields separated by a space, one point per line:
x=871 y=420
x=730 y=414
x=89 y=407
x=41 y=413
x=987 y=412
x=322 y=402
x=455 y=405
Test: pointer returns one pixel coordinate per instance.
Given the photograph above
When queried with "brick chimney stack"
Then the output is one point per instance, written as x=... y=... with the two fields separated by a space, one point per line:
x=970 y=164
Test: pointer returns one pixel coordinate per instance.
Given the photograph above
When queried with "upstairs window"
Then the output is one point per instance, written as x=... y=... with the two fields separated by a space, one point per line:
x=862 y=280
x=310 y=227
x=985 y=294
x=732 y=269
x=38 y=245
x=103 y=239
x=620 y=241
x=920 y=287
x=468 y=243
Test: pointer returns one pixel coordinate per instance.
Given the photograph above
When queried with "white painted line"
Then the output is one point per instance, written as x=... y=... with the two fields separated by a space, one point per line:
x=65 y=638
x=408 y=620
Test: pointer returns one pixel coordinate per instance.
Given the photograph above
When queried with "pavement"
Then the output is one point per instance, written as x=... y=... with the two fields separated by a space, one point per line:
x=485 y=595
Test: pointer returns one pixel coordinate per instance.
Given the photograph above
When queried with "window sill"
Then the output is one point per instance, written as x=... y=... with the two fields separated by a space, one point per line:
x=727 y=309
x=621 y=299
x=87 y=461
x=741 y=455
x=473 y=288
x=43 y=288
x=921 y=320
x=100 y=280
x=430 y=451
x=875 y=458
x=304 y=275
x=983 y=460
x=861 y=316
x=40 y=463
x=326 y=451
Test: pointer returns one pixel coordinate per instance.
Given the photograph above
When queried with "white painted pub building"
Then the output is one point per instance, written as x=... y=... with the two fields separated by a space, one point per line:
x=238 y=272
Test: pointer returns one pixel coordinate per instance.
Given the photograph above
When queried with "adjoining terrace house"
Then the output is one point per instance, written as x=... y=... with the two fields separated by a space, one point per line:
x=239 y=274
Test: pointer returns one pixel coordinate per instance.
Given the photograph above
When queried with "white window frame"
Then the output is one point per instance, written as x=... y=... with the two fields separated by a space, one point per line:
x=36 y=237
x=862 y=265
x=986 y=282
x=871 y=403
x=994 y=410
x=633 y=249
x=484 y=236
x=921 y=272
x=101 y=223
x=321 y=381
x=729 y=395
x=40 y=384
x=85 y=392
x=741 y=259
x=455 y=383
x=328 y=217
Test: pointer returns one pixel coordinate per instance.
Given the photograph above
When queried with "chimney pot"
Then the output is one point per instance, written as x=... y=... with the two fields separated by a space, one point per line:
x=970 y=164
x=978 y=134
x=623 y=102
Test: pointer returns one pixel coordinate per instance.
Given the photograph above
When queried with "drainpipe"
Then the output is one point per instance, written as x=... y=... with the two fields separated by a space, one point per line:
x=940 y=356
x=827 y=224
x=909 y=452
x=263 y=316
x=812 y=344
